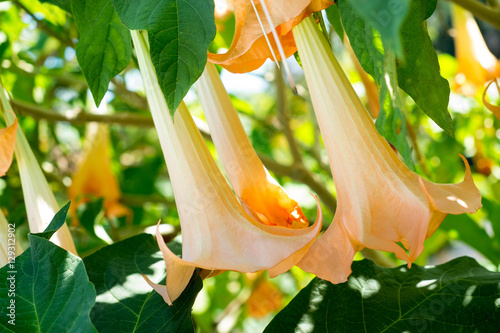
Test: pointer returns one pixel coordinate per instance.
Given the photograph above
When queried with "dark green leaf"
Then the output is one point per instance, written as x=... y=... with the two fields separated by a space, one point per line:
x=63 y=4
x=459 y=296
x=57 y=221
x=333 y=15
x=386 y=17
x=419 y=73
x=135 y=14
x=88 y=214
x=104 y=48
x=52 y=291
x=125 y=302
x=180 y=32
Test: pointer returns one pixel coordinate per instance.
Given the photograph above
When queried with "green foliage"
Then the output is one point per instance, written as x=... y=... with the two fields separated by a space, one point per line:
x=333 y=15
x=180 y=32
x=52 y=290
x=105 y=45
x=125 y=302
x=457 y=296
x=386 y=17
x=418 y=73
x=63 y=4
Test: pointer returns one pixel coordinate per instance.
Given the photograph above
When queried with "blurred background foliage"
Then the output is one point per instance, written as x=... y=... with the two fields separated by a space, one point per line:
x=39 y=68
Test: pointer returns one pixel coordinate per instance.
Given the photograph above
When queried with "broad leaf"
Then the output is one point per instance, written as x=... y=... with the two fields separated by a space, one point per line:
x=52 y=290
x=385 y=16
x=459 y=296
x=105 y=45
x=419 y=73
x=57 y=221
x=125 y=302
x=180 y=32
x=333 y=15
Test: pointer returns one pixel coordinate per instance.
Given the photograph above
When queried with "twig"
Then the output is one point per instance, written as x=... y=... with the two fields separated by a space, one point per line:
x=481 y=11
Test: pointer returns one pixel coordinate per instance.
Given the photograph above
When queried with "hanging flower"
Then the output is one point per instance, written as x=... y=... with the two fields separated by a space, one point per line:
x=252 y=183
x=250 y=46
x=380 y=201
x=476 y=64
x=94 y=175
x=41 y=205
x=495 y=109
x=7 y=144
x=217 y=232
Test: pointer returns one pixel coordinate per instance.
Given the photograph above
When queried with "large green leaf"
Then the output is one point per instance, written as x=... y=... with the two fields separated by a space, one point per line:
x=385 y=16
x=419 y=73
x=105 y=45
x=51 y=287
x=459 y=296
x=180 y=32
x=125 y=302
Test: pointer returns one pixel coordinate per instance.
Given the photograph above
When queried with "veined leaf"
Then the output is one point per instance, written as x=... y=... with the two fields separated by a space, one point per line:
x=385 y=16
x=419 y=73
x=180 y=32
x=105 y=45
x=459 y=296
x=125 y=302
x=51 y=287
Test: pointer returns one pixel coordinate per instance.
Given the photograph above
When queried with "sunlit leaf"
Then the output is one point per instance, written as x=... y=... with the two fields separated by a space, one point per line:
x=453 y=297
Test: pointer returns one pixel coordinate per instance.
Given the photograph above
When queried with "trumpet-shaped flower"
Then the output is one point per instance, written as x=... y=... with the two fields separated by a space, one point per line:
x=495 y=109
x=380 y=201
x=8 y=249
x=217 y=233
x=476 y=64
x=94 y=175
x=7 y=144
x=249 y=48
x=251 y=182
x=40 y=202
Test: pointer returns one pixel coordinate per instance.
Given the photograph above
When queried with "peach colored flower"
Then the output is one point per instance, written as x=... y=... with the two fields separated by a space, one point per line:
x=380 y=201
x=217 y=232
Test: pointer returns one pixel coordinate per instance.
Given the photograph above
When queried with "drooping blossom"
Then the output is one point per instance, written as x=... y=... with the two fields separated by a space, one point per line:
x=41 y=205
x=217 y=232
x=476 y=64
x=94 y=175
x=7 y=144
x=249 y=48
x=382 y=205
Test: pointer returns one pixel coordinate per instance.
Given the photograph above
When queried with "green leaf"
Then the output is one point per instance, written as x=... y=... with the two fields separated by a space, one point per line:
x=419 y=73
x=105 y=45
x=57 y=221
x=52 y=291
x=180 y=32
x=333 y=15
x=63 y=4
x=89 y=213
x=386 y=17
x=459 y=296
x=125 y=302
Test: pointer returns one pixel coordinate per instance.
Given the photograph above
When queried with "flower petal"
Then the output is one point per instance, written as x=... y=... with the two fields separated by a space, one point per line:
x=495 y=109
x=266 y=200
x=249 y=48
x=7 y=144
